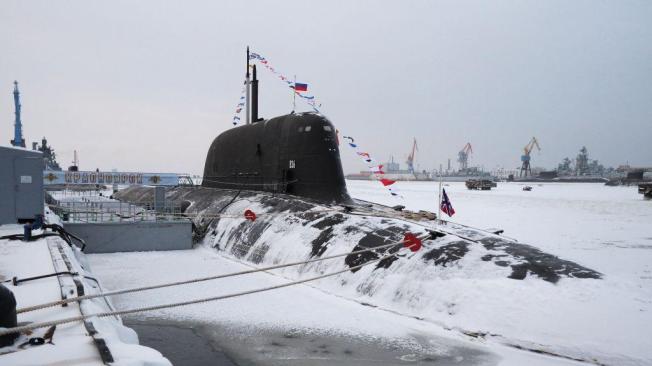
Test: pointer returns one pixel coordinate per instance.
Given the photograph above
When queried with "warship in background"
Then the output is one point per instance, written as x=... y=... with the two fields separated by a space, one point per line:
x=631 y=176
x=580 y=170
x=553 y=177
x=49 y=156
x=392 y=170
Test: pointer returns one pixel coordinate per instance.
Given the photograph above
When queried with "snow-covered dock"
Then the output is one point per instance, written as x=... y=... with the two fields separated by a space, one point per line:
x=92 y=342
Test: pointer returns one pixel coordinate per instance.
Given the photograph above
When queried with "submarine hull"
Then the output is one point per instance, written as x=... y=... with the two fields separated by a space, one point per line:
x=288 y=228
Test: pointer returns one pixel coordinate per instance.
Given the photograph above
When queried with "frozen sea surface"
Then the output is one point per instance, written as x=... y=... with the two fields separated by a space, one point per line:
x=583 y=222
x=608 y=229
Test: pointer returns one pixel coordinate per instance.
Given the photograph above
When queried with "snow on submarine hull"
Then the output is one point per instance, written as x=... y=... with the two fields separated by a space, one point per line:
x=290 y=228
x=288 y=171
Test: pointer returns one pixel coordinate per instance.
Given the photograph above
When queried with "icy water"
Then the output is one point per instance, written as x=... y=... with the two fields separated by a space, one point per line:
x=181 y=343
x=198 y=344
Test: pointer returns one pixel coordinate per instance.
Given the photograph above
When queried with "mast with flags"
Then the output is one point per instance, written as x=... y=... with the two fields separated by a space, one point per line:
x=446 y=205
x=248 y=92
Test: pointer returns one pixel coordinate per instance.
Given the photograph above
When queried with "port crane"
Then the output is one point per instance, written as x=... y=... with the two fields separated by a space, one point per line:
x=410 y=158
x=463 y=156
x=525 y=158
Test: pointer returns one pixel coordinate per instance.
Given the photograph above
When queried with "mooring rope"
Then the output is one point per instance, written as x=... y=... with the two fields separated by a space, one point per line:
x=33 y=326
x=200 y=279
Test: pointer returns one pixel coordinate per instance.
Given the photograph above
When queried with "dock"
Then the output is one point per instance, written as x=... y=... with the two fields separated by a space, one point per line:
x=91 y=342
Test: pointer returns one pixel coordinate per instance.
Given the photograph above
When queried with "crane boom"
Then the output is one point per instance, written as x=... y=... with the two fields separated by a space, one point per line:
x=528 y=148
x=410 y=159
x=463 y=156
x=467 y=149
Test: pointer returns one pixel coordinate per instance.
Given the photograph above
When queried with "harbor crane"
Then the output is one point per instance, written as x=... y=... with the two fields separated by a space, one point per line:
x=410 y=158
x=525 y=158
x=463 y=156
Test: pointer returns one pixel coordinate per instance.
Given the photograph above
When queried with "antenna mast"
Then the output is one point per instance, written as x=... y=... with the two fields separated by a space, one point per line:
x=248 y=86
x=254 y=96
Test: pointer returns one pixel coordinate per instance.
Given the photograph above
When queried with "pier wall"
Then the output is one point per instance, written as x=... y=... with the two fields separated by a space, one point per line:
x=111 y=237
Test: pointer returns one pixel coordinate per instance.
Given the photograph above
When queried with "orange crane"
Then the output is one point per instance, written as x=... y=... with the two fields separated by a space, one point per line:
x=463 y=156
x=525 y=158
x=410 y=158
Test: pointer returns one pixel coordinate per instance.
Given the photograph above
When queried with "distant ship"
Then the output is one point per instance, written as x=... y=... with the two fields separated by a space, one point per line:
x=393 y=171
x=404 y=175
x=49 y=156
x=552 y=177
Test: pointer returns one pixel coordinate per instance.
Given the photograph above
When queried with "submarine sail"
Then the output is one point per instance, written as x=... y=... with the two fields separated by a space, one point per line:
x=296 y=154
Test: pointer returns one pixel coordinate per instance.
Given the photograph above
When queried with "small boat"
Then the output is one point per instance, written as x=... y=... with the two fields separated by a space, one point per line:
x=527 y=188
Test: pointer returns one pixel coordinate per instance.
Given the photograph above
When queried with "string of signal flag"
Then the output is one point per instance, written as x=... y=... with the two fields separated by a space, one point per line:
x=300 y=89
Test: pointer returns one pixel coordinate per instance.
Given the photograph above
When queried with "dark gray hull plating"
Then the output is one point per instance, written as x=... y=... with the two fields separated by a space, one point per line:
x=296 y=154
x=282 y=219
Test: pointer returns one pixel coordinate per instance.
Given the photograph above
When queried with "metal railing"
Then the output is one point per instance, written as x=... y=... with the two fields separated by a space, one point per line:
x=95 y=208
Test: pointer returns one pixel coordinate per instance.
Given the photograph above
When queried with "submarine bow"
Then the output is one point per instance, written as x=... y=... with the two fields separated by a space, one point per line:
x=295 y=154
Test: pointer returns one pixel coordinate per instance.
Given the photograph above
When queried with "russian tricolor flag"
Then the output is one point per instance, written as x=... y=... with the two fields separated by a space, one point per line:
x=300 y=87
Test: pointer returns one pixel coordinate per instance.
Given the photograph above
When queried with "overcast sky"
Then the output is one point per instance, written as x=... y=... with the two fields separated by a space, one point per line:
x=147 y=85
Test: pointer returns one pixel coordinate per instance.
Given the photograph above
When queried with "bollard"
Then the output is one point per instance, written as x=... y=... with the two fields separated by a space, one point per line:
x=8 y=318
x=27 y=232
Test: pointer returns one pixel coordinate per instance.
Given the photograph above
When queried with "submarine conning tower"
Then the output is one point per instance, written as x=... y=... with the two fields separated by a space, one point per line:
x=296 y=154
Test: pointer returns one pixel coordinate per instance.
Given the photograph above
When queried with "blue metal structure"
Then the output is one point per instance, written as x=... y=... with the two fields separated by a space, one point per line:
x=18 y=140
x=52 y=177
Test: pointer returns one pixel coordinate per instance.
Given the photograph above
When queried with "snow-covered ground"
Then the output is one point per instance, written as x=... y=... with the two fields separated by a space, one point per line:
x=604 y=228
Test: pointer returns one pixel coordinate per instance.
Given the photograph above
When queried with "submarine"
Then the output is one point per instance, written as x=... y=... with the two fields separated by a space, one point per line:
x=288 y=171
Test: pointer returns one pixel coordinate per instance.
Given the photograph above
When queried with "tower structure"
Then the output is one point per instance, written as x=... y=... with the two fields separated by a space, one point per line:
x=463 y=157
x=525 y=158
x=18 y=140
